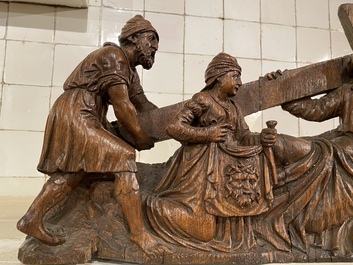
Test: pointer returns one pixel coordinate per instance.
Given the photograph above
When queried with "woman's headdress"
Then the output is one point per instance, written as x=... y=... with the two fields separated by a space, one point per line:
x=221 y=64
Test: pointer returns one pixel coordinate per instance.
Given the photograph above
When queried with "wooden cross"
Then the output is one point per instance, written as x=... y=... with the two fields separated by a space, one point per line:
x=263 y=94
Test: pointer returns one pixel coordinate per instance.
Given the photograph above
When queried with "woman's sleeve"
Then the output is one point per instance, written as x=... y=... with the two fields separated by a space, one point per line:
x=182 y=126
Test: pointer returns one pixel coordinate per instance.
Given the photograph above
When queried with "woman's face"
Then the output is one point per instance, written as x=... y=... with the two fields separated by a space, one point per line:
x=230 y=83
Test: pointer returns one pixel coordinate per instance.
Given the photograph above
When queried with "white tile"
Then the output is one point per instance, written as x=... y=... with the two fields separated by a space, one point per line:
x=248 y=10
x=166 y=75
x=112 y=22
x=313 y=13
x=10 y=237
x=313 y=45
x=187 y=96
x=10 y=213
x=242 y=39
x=309 y=128
x=203 y=35
x=124 y=4
x=334 y=20
x=164 y=99
x=77 y=26
x=170 y=40
x=21 y=186
x=3 y=19
x=19 y=153
x=286 y=123
x=56 y=91
x=300 y=64
x=20 y=113
x=165 y=6
x=336 y=122
x=251 y=69
x=71 y=3
x=340 y=45
x=31 y=23
x=110 y=114
x=254 y=121
x=95 y=2
x=278 y=12
x=204 y=8
x=67 y=57
x=195 y=67
x=2 y=57
x=28 y=63
x=9 y=247
x=278 y=42
x=160 y=153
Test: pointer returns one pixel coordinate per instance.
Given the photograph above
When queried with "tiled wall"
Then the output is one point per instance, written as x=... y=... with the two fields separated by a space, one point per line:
x=41 y=45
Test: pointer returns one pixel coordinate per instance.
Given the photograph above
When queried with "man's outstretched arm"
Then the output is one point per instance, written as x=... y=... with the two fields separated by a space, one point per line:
x=126 y=114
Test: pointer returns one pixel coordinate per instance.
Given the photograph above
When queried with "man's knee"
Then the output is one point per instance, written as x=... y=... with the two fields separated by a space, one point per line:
x=289 y=149
x=126 y=183
x=64 y=182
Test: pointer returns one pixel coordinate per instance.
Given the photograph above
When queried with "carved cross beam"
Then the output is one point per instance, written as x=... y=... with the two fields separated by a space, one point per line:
x=345 y=14
x=263 y=94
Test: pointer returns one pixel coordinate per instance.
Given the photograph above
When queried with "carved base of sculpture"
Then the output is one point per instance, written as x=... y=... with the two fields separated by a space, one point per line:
x=96 y=230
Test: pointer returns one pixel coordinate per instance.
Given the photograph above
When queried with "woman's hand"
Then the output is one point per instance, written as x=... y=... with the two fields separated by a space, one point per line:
x=218 y=133
x=268 y=137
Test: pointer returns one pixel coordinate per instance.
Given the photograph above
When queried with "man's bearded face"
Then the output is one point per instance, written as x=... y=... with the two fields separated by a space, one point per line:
x=147 y=45
x=244 y=189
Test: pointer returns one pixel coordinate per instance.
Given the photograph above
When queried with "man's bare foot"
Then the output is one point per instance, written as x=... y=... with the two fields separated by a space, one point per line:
x=151 y=245
x=31 y=226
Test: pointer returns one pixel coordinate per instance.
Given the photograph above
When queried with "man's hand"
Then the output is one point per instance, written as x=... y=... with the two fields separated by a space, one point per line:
x=273 y=75
x=217 y=133
x=144 y=142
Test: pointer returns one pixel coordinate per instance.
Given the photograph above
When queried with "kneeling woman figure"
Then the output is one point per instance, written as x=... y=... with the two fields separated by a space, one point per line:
x=180 y=210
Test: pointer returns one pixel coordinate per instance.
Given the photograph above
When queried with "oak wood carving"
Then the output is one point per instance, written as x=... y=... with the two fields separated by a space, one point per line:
x=227 y=195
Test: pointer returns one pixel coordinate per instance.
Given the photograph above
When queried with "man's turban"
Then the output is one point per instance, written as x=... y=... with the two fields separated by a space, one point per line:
x=137 y=24
x=221 y=64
